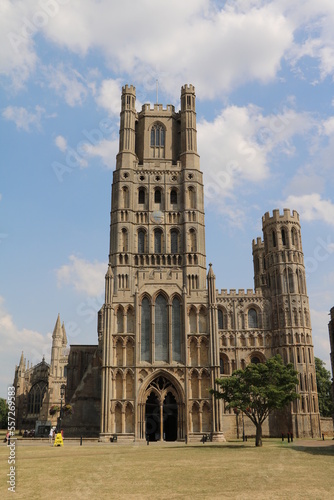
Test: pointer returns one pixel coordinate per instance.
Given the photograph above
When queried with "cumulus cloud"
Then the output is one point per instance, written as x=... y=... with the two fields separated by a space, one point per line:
x=17 y=50
x=24 y=119
x=61 y=143
x=227 y=44
x=84 y=276
x=108 y=96
x=312 y=207
x=237 y=146
x=68 y=83
x=14 y=340
x=106 y=150
x=224 y=46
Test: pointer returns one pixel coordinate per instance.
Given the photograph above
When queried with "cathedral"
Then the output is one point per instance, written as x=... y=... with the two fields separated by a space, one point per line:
x=165 y=333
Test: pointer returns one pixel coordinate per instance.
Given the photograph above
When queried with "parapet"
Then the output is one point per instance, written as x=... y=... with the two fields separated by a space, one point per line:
x=187 y=89
x=238 y=293
x=258 y=244
x=277 y=217
x=129 y=89
x=158 y=107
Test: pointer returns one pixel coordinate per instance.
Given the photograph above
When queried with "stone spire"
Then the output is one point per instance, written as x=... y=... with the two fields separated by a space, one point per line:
x=64 y=335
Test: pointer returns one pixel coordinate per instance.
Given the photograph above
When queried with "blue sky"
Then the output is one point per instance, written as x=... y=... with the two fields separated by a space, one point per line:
x=263 y=72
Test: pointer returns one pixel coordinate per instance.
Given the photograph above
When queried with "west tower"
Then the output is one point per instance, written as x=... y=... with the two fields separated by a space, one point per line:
x=156 y=361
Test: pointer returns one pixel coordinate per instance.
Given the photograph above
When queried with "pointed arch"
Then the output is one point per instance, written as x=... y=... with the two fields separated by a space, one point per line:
x=192 y=320
x=252 y=318
x=161 y=328
x=145 y=329
x=176 y=329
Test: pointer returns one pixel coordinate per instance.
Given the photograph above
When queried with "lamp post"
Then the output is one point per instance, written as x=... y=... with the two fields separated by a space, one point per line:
x=62 y=394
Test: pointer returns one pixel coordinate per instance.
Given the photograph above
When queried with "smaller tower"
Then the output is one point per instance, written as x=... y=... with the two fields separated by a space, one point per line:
x=290 y=312
x=127 y=135
x=259 y=264
x=188 y=156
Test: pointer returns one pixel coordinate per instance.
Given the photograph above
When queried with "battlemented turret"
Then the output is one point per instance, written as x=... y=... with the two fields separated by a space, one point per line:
x=284 y=273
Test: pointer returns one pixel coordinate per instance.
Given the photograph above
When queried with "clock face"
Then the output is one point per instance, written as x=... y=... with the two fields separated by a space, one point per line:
x=157 y=217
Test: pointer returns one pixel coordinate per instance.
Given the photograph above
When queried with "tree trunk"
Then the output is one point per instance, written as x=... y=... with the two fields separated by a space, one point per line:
x=258 y=438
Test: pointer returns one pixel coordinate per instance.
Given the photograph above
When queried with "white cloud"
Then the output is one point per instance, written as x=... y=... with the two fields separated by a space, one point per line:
x=67 y=82
x=106 y=150
x=24 y=119
x=13 y=340
x=223 y=47
x=316 y=18
x=84 y=276
x=237 y=147
x=108 y=96
x=61 y=143
x=226 y=44
x=17 y=50
x=312 y=207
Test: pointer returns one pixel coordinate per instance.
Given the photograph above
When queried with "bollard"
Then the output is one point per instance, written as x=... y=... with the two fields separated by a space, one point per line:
x=323 y=437
x=282 y=436
x=291 y=437
x=288 y=437
x=80 y=440
x=186 y=439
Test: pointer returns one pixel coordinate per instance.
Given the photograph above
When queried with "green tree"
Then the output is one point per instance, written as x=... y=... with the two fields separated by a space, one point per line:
x=324 y=388
x=258 y=390
x=3 y=413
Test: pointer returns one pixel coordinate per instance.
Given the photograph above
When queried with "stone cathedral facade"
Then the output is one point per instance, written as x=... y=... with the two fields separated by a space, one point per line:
x=165 y=332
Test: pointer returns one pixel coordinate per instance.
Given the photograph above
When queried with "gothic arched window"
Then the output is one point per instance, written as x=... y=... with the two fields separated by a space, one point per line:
x=141 y=241
x=157 y=196
x=158 y=141
x=291 y=282
x=161 y=329
x=174 y=241
x=124 y=245
x=176 y=329
x=145 y=329
x=192 y=197
x=283 y=237
x=158 y=241
x=192 y=235
x=220 y=319
x=141 y=196
x=173 y=197
x=125 y=197
x=252 y=318
x=36 y=396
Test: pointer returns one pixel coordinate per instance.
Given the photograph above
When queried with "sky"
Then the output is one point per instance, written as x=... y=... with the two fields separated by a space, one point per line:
x=263 y=73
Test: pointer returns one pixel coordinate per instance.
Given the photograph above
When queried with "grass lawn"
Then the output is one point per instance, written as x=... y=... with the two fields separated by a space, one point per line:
x=233 y=470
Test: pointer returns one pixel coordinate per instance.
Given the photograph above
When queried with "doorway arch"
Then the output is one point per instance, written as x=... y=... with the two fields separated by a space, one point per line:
x=161 y=409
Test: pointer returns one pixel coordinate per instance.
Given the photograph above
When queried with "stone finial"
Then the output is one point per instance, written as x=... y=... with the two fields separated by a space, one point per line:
x=57 y=331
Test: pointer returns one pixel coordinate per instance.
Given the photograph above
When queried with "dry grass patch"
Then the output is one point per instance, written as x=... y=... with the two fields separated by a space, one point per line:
x=168 y=471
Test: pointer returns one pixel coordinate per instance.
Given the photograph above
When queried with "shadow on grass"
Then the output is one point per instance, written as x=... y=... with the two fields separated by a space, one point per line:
x=315 y=450
x=220 y=446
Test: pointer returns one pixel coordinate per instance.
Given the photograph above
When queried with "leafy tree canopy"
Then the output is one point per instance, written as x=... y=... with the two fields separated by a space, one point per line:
x=258 y=390
x=324 y=388
x=3 y=413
